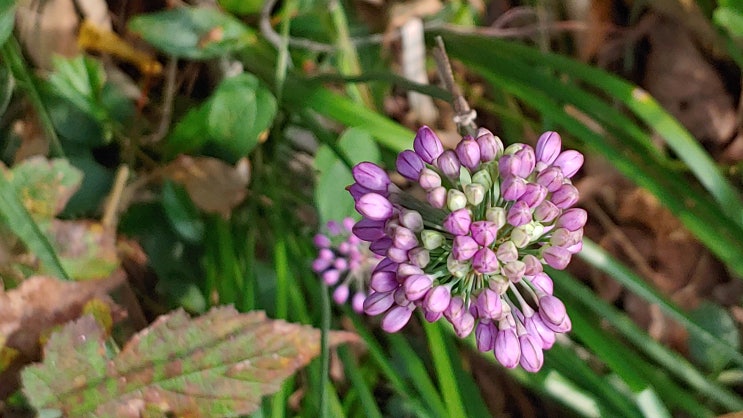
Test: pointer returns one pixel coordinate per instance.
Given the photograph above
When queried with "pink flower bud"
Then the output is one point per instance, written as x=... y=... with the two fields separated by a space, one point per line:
x=490 y=145
x=380 y=246
x=507 y=252
x=489 y=304
x=463 y=325
x=383 y=281
x=369 y=230
x=552 y=310
x=513 y=188
x=437 y=299
x=429 y=179
x=378 y=302
x=532 y=265
x=427 y=145
x=534 y=195
x=411 y=219
x=572 y=219
x=468 y=152
x=565 y=197
x=374 y=206
x=396 y=318
x=485 y=335
x=331 y=277
x=464 y=247
x=551 y=178
x=458 y=222
x=548 y=147
x=543 y=282
x=404 y=238
x=371 y=176
x=556 y=257
x=340 y=294
x=485 y=261
x=437 y=197
x=507 y=348
x=532 y=357
x=546 y=212
x=357 y=191
x=527 y=161
x=409 y=165
x=357 y=302
x=570 y=162
x=449 y=164
x=484 y=232
x=519 y=214
x=417 y=285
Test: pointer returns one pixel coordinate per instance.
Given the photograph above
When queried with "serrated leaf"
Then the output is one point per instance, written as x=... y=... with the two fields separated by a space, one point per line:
x=219 y=364
x=44 y=186
x=193 y=32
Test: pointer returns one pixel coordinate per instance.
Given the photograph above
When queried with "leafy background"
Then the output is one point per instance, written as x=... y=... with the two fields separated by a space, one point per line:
x=163 y=156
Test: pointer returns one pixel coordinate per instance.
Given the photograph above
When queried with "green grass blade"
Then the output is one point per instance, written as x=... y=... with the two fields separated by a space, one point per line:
x=23 y=225
x=639 y=102
x=600 y=259
x=369 y=404
x=670 y=360
x=444 y=370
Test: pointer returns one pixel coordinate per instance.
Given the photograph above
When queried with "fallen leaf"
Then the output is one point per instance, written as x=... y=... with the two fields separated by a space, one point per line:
x=39 y=304
x=86 y=249
x=213 y=185
x=219 y=364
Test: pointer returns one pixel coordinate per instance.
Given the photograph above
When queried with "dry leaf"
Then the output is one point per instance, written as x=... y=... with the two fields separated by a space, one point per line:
x=213 y=185
x=39 y=304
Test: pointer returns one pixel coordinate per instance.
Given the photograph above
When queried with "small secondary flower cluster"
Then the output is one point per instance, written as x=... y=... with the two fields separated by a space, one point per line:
x=346 y=261
x=473 y=251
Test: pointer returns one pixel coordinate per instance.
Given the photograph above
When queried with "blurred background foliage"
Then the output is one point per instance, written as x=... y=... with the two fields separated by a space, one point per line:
x=198 y=146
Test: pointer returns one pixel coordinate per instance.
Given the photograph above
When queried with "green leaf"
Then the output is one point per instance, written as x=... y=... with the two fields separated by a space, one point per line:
x=193 y=32
x=182 y=213
x=7 y=19
x=332 y=199
x=44 y=186
x=730 y=18
x=241 y=7
x=230 y=123
x=717 y=321
x=220 y=364
x=240 y=111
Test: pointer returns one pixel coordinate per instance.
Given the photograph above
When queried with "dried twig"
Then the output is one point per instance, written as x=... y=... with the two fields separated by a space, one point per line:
x=464 y=116
x=171 y=72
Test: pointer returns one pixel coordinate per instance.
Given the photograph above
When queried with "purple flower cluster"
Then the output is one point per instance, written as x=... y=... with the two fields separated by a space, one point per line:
x=473 y=250
x=344 y=261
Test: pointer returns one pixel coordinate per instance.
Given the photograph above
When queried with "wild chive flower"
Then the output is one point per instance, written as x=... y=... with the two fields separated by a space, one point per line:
x=473 y=250
x=345 y=261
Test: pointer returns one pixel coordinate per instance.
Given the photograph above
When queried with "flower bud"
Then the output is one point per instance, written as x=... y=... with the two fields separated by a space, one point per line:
x=507 y=348
x=449 y=164
x=475 y=193
x=319 y=265
x=371 y=176
x=357 y=302
x=404 y=238
x=534 y=195
x=455 y=309
x=409 y=165
x=455 y=200
x=427 y=145
x=458 y=222
x=340 y=264
x=468 y=152
x=570 y=162
x=485 y=261
x=321 y=241
x=532 y=357
x=561 y=237
x=514 y=270
x=369 y=230
x=340 y=294
x=527 y=161
x=507 y=252
x=508 y=166
x=464 y=247
x=546 y=212
x=556 y=257
x=513 y=188
x=484 y=232
x=374 y=206
x=378 y=302
x=536 y=327
x=458 y=269
x=490 y=145
x=464 y=325
x=489 y=304
x=519 y=214
x=419 y=257
x=565 y=197
x=496 y=215
x=532 y=265
x=437 y=299
x=520 y=236
x=380 y=246
x=383 y=281
x=357 y=191
x=417 y=285
x=483 y=177
x=548 y=147
x=437 y=197
x=431 y=239
x=398 y=255
x=552 y=310
x=485 y=335
x=396 y=318
x=543 y=282
x=551 y=178
x=572 y=219
x=429 y=179
x=431 y=316
x=331 y=277
x=411 y=219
